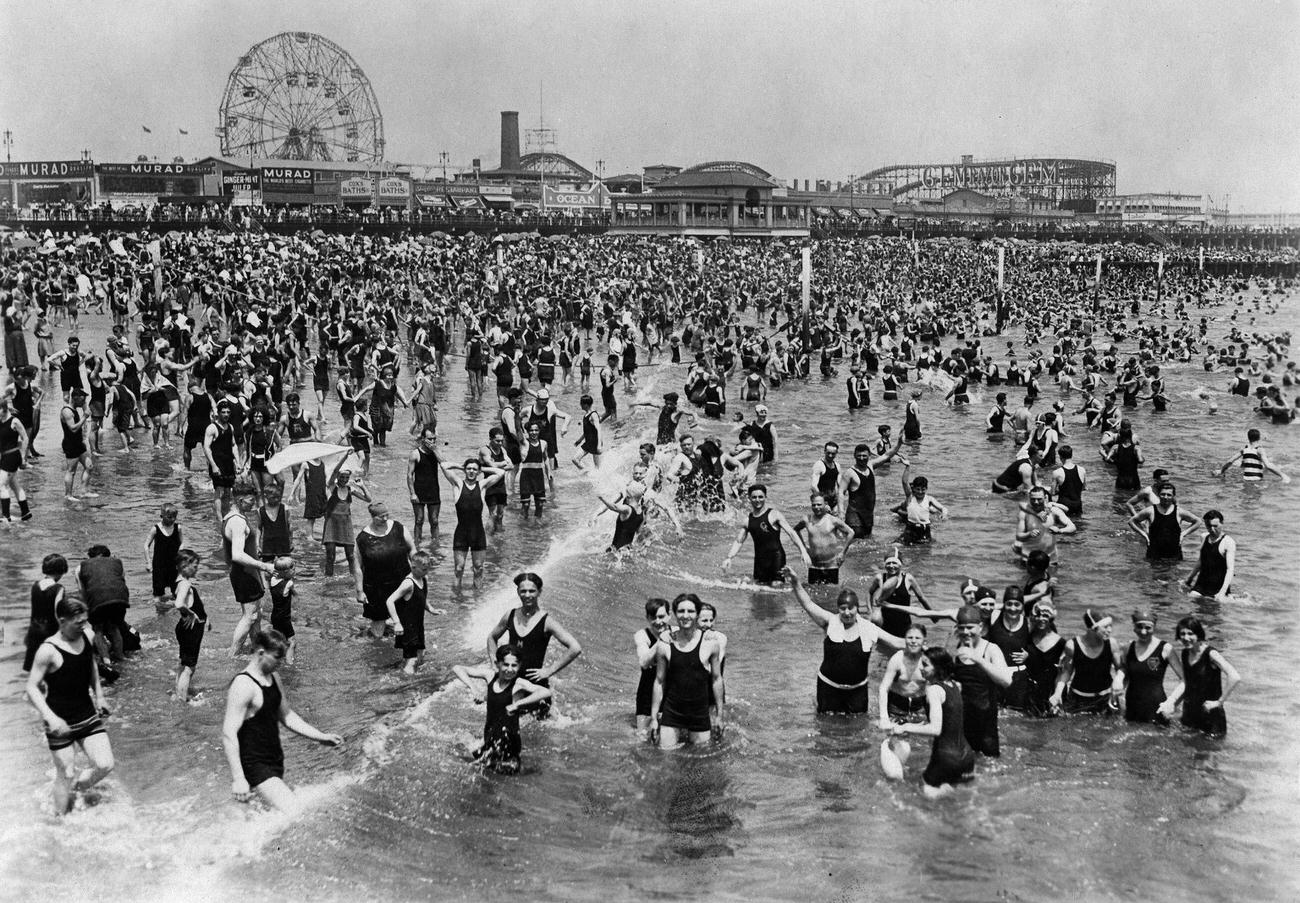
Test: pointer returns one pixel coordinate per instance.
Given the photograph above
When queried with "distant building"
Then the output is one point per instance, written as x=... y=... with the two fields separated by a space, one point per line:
x=1262 y=220
x=1156 y=208
x=1070 y=182
x=722 y=198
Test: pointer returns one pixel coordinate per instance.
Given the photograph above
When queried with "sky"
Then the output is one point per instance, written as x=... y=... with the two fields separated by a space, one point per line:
x=1193 y=96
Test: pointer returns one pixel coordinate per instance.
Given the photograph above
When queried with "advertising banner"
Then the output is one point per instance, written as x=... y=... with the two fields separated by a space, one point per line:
x=556 y=197
x=288 y=179
x=394 y=191
x=153 y=169
x=357 y=189
x=51 y=192
x=83 y=169
x=233 y=183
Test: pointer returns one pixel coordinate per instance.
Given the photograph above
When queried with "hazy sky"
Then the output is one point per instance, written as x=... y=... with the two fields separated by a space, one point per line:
x=1188 y=96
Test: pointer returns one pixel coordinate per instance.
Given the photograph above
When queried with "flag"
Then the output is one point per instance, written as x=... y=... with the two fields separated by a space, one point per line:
x=183 y=132
x=147 y=129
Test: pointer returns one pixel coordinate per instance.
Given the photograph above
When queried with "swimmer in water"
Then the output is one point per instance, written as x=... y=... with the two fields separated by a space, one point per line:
x=64 y=687
x=902 y=694
x=1207 y=679
x=827 y=539
x=255 y=708
x=658 y=627
x=507 y=695
x=916 y=508
x=407 y=606
x=687 y=666
x=1091 y=669
x=1254 y=461
x=765 y=526
x=707 y=617
x=1212 y=577
x=952 y=760
x=1039 y=523
x=842 y=680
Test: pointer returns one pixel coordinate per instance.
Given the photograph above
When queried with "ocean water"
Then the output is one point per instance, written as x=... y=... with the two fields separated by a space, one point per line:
x=789 y=806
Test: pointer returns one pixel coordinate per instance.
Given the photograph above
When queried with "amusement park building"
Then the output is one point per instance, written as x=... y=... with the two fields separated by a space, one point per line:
x=222 y=180
x=1069 y=182
x=1155 y=208
x=723 y=198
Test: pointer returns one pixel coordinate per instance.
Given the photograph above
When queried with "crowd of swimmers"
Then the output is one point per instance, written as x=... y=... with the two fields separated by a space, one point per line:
x=237 y=322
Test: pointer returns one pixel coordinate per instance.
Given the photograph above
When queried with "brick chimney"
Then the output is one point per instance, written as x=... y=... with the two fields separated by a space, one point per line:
x=509 y=139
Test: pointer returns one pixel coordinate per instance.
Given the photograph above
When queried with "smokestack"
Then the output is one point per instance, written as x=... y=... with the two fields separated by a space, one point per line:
x=509 y=139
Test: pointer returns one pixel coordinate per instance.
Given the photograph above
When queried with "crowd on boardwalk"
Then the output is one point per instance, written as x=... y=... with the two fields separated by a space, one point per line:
x=238 y=347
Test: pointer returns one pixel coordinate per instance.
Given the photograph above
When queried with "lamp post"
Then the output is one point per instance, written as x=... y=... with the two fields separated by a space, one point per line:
x=9 y=143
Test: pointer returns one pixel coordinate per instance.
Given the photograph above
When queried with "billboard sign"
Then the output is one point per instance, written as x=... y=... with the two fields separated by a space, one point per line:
x=72 y=169
x=555 y=197
x=357 y=189
x=154 y=169
x=240 y=181
x=398 y=189
x=31 y=192
x=1028 y=173
x=288 y=179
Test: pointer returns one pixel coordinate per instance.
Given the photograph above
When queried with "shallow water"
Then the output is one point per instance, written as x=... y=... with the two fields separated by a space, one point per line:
x=789 y=806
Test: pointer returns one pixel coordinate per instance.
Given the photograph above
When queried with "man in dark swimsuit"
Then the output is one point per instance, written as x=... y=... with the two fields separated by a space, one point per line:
x=239 y=544
x=765 y=525
x=687 y=666
x=422 y=482
x=1161 y=525
x=256 y=706
x=529 y=630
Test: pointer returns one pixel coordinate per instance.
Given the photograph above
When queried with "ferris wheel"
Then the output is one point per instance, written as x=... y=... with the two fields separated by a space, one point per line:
x=298 y=96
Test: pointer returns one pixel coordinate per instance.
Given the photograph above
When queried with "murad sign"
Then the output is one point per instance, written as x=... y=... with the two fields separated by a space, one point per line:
x=81 y=169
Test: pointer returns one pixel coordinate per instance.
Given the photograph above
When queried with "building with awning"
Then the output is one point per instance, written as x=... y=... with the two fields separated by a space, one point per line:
x=47 y=182
x=328 y=183
x=721 y=198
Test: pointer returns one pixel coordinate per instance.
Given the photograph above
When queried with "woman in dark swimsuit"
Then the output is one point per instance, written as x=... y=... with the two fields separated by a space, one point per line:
x=1207 y=679
x=952 y=760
